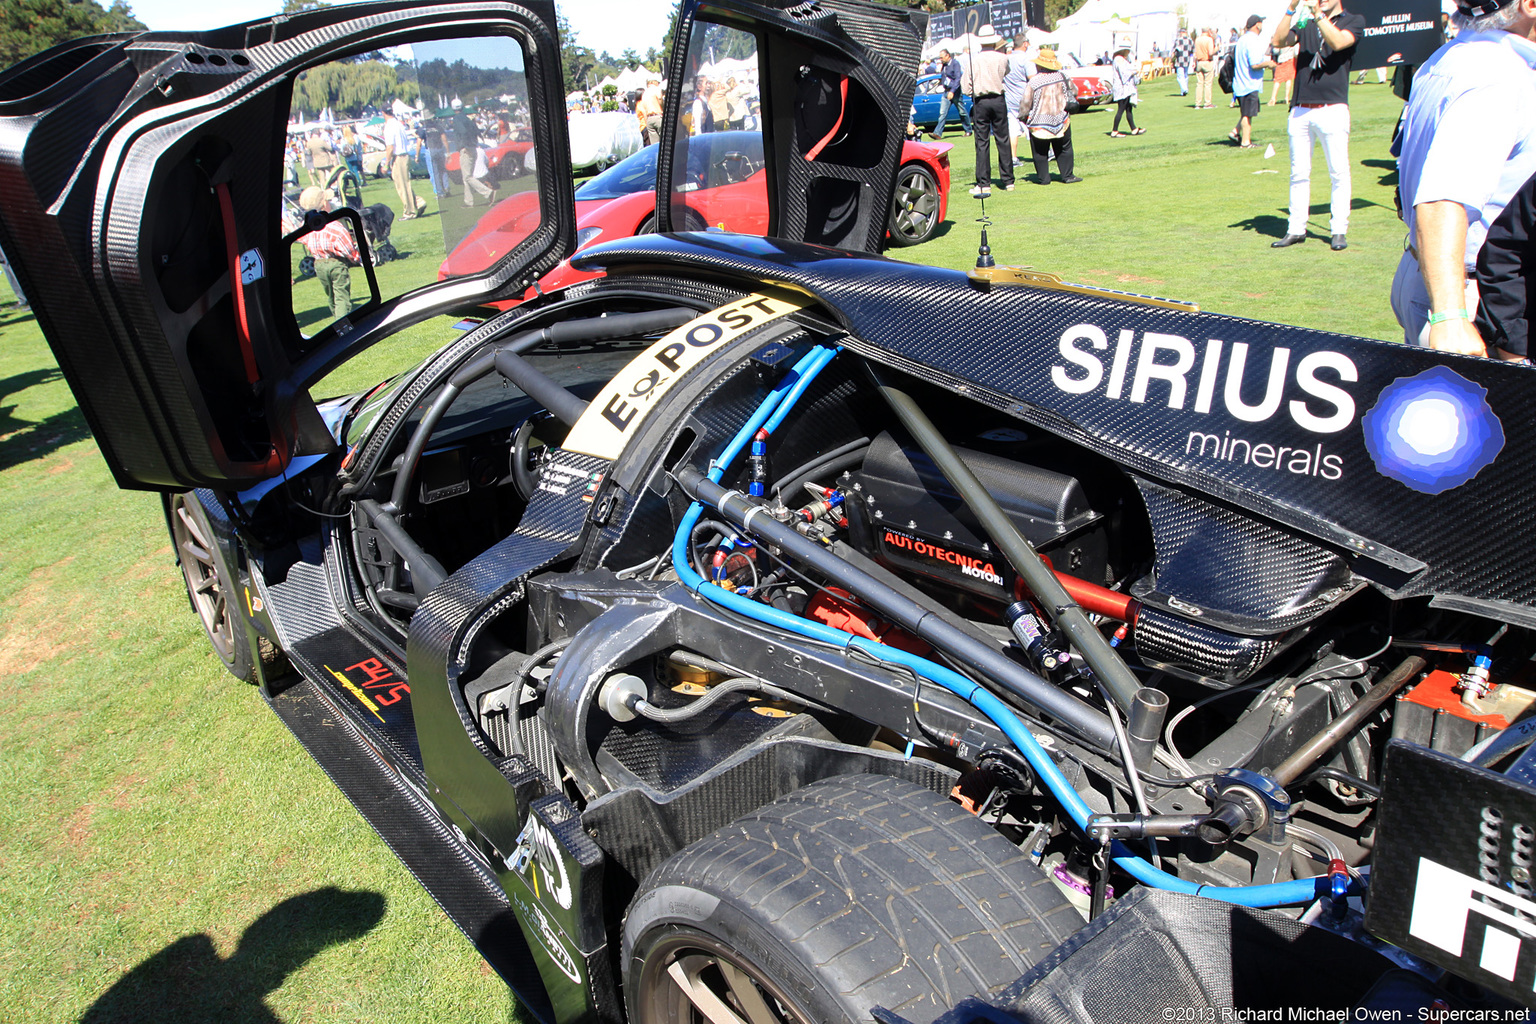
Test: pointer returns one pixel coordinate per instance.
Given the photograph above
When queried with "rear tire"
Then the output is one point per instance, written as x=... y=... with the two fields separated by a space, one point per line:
x=211 y=585
x=914 y=206
x=852 y=892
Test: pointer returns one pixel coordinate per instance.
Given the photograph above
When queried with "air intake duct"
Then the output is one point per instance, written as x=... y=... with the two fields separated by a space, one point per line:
x=1194 y=651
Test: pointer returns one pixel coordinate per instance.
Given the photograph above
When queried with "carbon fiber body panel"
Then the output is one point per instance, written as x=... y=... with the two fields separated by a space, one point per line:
x=1200 y=958
x=1311 y=429
x=459 y=882
x=1452 y=879
x=487 y=795
x=1235 y=572
x=641 y=827
x=1194 y=651
x=835 y=193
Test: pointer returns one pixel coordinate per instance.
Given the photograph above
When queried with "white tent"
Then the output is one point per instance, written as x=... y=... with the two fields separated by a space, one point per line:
x=1099 y=25
x=633 y=79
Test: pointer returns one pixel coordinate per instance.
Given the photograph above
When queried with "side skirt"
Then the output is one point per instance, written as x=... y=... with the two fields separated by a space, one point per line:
x=460 y=883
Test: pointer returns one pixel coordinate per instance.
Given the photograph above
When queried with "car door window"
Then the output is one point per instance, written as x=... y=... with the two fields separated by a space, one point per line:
x=429 y=147
x=718 y=176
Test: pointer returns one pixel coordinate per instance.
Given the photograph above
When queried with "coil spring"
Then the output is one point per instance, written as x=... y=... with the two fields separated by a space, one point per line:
x=1488 y=845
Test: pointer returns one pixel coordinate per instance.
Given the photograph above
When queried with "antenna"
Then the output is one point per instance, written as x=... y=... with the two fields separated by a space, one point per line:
x=984 y=251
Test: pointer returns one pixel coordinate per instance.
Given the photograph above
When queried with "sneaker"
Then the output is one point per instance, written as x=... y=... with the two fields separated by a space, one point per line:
x=1071 y=179
x=981 y=191
x=1338 y=243
x=1009 y=188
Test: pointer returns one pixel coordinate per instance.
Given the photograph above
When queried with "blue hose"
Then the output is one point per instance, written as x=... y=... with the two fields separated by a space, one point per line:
x=770 y=415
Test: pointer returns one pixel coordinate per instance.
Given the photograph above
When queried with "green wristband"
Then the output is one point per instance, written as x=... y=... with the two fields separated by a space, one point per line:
x=1454 y=314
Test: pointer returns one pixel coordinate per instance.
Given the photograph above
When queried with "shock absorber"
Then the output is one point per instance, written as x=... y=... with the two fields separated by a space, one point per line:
x=1039 y=645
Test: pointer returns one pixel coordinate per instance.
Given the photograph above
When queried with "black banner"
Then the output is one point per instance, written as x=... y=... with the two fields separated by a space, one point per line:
x=1396 y=32
x=1007 y=18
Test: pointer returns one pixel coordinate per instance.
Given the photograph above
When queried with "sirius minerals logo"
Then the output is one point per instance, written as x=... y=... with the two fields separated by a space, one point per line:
x=1432 y=431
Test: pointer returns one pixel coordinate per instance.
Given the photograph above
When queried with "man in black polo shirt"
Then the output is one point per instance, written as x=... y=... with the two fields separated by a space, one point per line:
x=1326 y=36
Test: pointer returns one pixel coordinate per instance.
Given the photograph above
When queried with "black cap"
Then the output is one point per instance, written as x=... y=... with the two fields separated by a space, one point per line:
x=1253 y=19
x=1478 y=8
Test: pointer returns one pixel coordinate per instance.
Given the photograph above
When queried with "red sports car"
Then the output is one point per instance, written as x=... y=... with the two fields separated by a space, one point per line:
x=731 y=194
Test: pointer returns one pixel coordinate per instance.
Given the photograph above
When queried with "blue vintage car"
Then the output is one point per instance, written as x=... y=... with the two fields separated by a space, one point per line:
x=925 y=104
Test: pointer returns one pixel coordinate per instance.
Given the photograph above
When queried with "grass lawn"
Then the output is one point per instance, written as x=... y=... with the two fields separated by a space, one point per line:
x=172 y=854
x=1183 y=213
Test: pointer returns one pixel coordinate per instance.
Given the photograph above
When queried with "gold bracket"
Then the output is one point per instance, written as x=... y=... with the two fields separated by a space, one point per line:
x=990 y=277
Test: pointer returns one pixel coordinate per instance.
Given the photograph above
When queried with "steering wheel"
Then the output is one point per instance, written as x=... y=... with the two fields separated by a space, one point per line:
x=737 y=166
x=528 y=455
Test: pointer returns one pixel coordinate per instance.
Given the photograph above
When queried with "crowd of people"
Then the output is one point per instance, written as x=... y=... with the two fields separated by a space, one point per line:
x=1465 y=147
x=323 y=154
x=319 y=160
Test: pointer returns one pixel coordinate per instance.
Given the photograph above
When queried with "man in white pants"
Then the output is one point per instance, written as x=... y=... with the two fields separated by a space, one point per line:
x=1320 y=111
x=1468 y=144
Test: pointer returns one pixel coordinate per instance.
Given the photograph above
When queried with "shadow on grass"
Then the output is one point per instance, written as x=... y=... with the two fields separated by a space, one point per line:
x=23 y=440
x=190 y=983
x=1390 y=166
x=1274 y=226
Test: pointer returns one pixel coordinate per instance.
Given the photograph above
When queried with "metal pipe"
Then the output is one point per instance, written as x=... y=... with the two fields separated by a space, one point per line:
x=539 y=386
x=428 y=571
x=1148 y=710
x=1042 y=582
x=1294 y=766
x=1127 y=756
x=913 y=616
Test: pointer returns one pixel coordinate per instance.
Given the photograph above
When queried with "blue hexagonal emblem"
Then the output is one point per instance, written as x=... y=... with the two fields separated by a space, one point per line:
x=1432 y=431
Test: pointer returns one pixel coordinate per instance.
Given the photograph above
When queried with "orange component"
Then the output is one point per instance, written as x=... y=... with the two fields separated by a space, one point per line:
x=960 y=798
x=1438 y=690
x=838 y=609
x=1100 y=600
x=1091 y=596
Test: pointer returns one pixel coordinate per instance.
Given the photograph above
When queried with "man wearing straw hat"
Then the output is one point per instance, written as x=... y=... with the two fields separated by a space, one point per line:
x=983 y=82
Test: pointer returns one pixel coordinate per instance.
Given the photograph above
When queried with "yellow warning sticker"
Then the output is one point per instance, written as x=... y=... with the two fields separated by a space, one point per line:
x=357 y=692
x=615 y=415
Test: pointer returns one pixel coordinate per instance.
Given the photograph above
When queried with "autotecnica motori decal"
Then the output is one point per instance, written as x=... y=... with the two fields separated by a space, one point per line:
x=1432 y=431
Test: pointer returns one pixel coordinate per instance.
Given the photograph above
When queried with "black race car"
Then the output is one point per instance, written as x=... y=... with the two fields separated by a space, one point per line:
x=773 y=631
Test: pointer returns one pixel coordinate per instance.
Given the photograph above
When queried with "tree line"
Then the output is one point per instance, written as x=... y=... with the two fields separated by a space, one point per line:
x=29 y=27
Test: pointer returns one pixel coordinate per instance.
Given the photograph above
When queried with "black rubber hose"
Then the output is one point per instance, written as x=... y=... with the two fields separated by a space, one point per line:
x=515 y=698
x=717 y=693
x=427 y=571
x=1339 y=775
x=839 y=458
x=1042 y=582
x=916 y=617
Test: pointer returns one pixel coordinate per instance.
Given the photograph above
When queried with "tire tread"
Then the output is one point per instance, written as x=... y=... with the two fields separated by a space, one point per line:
x=964 y=912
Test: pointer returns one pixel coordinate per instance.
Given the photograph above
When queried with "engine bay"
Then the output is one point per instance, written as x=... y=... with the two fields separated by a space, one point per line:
x=789 y=573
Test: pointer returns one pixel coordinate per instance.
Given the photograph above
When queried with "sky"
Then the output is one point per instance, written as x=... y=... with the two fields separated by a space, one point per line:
x=611 y=25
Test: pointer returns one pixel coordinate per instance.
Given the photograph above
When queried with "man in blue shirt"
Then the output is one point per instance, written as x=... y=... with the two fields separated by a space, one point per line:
x=1468 y=143
x=953 y=72
x=1250 y=58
